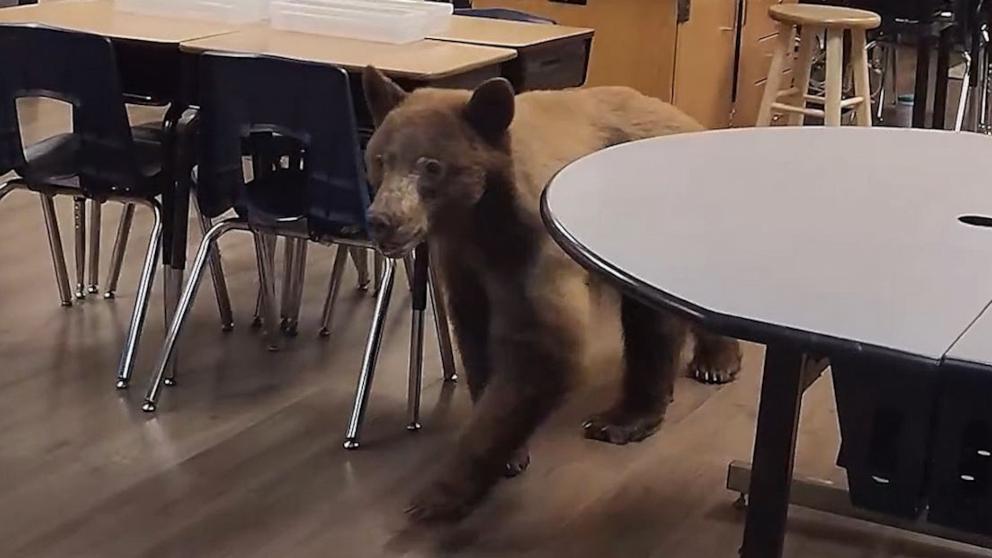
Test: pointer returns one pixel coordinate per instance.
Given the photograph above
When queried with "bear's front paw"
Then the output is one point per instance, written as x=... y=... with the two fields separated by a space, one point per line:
x=617 y=426
x=445 y=501
x=717 y=367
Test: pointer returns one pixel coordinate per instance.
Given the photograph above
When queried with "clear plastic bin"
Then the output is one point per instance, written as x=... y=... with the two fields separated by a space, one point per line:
x=225 y=11
x=390 y=21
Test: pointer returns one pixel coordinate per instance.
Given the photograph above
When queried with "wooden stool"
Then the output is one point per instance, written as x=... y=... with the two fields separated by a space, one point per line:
x=813 y=20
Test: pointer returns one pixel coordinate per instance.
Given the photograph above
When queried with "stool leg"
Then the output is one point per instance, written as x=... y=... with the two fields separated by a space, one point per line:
x=835 y=76
x=862 y=84
x=783 y=51
x=804 y=65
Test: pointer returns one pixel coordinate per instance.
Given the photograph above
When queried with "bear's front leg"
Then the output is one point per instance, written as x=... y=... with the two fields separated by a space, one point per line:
x=652 y=343
x=532 y=378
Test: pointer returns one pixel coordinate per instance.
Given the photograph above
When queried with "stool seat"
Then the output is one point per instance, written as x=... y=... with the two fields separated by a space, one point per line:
x=824 y=16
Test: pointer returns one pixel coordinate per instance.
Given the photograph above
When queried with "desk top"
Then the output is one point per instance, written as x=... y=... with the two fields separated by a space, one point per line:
x=508 y=34
x=838 y=239
x=99 y=18
x=419 y=60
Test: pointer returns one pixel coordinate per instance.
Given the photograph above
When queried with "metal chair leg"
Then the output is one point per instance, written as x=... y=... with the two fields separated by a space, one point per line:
x=288 y=281
x=94 y=262
x=296 y=294
x=182 y=310
x=216 y=273
x=441 y=323
x=337 y=271
x=418 y=276
x=256 y=320
x=265 y=253
x=360 y=257
x=55 y=243
x=126 y=367
x=172 y=290
x=377 y=269
x=79 y=224
x=372 y=347
x=120 y=244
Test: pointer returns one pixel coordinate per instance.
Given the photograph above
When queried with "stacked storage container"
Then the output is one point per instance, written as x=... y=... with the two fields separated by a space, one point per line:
x=389 y=21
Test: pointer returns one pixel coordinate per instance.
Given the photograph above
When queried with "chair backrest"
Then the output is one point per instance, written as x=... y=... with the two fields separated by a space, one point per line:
x=81 y=70
x=245 y=101
x=505 y=14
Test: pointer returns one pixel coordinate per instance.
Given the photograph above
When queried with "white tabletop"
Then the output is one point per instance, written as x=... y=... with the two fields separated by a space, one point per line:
x=846 y=233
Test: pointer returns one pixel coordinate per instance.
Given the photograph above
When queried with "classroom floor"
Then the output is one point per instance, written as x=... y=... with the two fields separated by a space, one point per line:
x=244 y=457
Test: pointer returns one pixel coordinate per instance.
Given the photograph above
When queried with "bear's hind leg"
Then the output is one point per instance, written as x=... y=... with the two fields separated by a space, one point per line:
x=652 y=343
x=718 y=358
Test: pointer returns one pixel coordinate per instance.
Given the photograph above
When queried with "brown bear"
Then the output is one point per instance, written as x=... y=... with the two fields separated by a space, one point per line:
x=464 y=171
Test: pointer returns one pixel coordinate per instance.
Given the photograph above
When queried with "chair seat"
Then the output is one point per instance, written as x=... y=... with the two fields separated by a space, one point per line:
x=52 y=161
x=824 y=16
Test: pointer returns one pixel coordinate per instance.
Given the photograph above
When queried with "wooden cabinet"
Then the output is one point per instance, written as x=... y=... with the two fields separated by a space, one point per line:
x=643 y=44
x=688 y=52
x=758 y=36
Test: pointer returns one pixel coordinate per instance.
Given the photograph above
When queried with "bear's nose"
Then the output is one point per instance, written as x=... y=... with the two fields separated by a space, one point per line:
x=379 y=225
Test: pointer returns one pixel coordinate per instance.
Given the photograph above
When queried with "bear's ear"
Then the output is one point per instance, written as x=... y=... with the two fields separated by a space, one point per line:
x=490 y=110
x=381 y=93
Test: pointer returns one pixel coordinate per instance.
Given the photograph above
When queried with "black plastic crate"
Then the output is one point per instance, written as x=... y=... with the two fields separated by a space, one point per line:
x=961 y=470
x=885 y=406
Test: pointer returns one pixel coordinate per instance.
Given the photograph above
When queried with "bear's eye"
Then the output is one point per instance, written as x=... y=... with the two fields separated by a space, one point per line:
x=430 y=168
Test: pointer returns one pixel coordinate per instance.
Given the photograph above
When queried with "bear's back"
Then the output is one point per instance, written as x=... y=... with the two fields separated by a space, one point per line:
x=553 y=128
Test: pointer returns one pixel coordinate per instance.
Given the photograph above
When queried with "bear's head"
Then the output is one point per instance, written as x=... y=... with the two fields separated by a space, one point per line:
x=432 y=156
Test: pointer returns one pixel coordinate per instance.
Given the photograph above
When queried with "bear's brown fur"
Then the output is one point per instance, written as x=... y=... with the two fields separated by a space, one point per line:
x=465 y=170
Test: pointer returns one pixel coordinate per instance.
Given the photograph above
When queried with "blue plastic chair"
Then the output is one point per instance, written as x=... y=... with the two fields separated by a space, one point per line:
x=102 y=159
x=297 y=122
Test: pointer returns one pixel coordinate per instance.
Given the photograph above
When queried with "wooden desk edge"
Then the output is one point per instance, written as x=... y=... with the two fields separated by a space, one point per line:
x=505 y=54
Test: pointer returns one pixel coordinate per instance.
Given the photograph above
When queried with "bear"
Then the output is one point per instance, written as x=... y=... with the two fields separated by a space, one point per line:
x=463 y=171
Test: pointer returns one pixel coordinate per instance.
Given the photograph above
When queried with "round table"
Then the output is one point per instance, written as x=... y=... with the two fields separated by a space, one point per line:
x=813 y=241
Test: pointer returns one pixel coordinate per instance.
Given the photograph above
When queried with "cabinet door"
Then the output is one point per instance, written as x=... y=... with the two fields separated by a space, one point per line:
x=634 y=43
x=758 y=39
x=704 y=61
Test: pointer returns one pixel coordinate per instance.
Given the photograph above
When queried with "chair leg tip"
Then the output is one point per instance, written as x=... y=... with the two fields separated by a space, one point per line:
x=256 y=322
x=169 y=382
x=148 y=407
x=452 y=379
x=324 y=332
x=121 y=384
x=109 y=295
x=93 y=289
x=227 y=328
x=66 y=304
x=351 y=444
x=363 y=286
x=413 y=427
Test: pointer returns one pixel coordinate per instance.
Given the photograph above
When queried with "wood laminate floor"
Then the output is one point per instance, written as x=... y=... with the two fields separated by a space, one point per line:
x=244 y=457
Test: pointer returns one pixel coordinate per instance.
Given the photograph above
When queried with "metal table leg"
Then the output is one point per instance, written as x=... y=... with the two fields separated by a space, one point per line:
x=774 y=452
